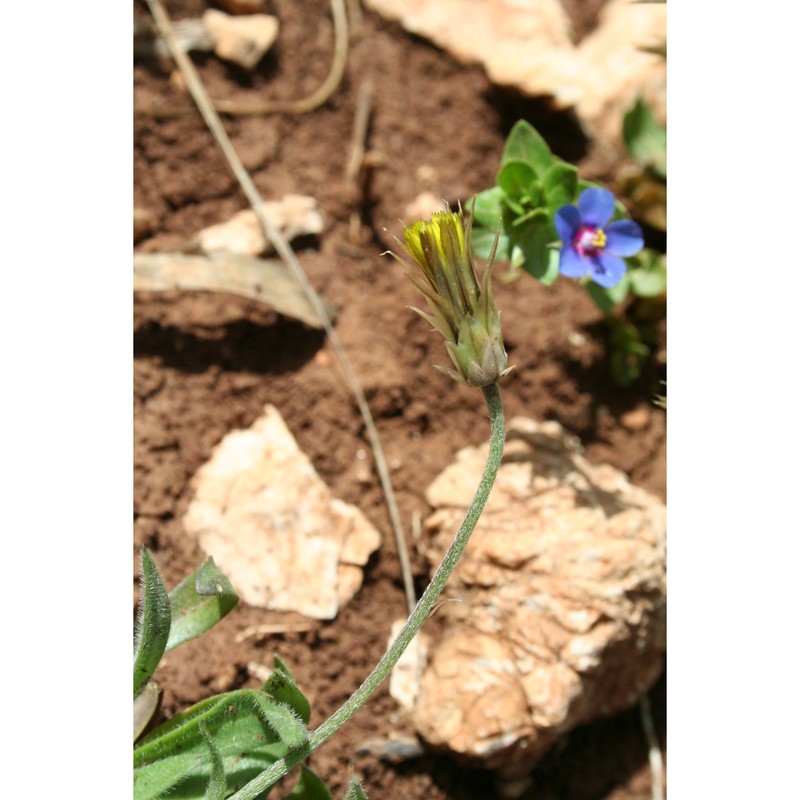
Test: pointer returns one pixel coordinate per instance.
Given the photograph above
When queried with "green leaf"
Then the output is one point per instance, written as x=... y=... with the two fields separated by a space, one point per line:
x=198 y=602
x=288 y=726
x=533 y=235
x=628 y=353
x=152 y=630
x=250 y=728
x=648 y=275
x=281 y=686
x=548 y=278
x=216 y=783
x=309 y=787
x=645 y=137
x=517 y=257
x=560 y=185
x=525 y=144
x=144 y=706
x=483 y=240
x=517 y=179
x=487 y=207
x=605 y=299
x=355 y=791
x=514 y=206
x=174 y=757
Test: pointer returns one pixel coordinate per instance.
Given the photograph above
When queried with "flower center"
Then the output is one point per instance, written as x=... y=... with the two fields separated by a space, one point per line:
x=589 y=241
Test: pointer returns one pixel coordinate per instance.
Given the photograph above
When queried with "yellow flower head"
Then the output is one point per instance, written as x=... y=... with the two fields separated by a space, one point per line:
x=461 y=310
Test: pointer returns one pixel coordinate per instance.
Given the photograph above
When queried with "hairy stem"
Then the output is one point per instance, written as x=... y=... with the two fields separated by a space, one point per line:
x=423 y=608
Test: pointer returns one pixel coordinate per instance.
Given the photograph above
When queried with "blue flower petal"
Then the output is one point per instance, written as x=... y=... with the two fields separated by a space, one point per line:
x=567 y=220
x=596 y=207
x=571 y=263
x=607 y=270
x=624 y=238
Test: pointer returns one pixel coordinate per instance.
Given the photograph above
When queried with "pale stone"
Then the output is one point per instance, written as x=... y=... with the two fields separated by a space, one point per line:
x=273 y=526
x=637 y=419
x=241 y=40
x=405 y=677
x=527 y=44
x=423 y=206
x=294 y=215
x=563 y=600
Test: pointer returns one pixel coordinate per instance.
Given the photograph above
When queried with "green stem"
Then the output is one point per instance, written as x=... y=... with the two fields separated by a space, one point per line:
x=423 y=609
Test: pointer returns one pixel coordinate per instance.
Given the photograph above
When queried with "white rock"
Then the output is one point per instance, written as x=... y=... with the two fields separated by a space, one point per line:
x=274 y=528
x=404 y=680
x=423 y=206
x=294 y=215
x=241 y=40
x=562 y=588
x=527 y=44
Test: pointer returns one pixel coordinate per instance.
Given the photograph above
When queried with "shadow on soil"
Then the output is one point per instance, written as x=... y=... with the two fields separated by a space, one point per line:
x=240 y=346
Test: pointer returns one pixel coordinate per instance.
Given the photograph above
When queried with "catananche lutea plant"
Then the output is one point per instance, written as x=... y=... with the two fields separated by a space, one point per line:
x=461 y=308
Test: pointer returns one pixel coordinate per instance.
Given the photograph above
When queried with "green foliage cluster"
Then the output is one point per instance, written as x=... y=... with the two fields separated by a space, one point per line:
x=532 y=184
x=218 y=745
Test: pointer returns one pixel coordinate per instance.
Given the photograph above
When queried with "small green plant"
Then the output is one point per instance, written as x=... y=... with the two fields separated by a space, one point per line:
x=238 y=745
x=552 y=222
x=646 y=138
x=216 y=746
x=644 y=186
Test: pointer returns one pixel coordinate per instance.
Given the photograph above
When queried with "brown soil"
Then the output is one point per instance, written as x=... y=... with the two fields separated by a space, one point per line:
x=206 y=364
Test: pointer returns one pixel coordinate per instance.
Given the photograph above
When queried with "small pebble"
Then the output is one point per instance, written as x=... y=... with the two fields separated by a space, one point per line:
x=637 y=419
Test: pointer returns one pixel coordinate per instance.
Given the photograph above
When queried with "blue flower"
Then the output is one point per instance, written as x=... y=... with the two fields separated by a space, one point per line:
x=591 y=245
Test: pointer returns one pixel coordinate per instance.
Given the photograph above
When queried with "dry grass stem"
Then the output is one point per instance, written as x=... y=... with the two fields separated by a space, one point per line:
x=284 y=250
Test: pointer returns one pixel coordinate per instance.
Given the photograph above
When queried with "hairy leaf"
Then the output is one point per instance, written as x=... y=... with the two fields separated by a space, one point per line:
x=309 y=787
x=216 y=783
x=144 y=706
x=355 y=791
x=282 y=687
x=250 y=728
x=198 y=602
x=152 y=630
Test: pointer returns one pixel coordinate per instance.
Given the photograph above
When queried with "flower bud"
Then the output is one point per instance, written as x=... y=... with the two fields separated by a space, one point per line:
x=461 y=310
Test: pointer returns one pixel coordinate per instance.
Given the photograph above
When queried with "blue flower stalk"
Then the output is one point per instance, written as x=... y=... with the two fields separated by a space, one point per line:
x=462 y=308
x=593 y=247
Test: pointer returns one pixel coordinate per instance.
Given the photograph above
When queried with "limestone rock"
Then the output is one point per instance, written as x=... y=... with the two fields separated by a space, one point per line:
x=273 y=526
x=241 y=40
x=294 y=215
x=404 y=680
x=562 y=616
x=527 y=44
x=423 y=206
